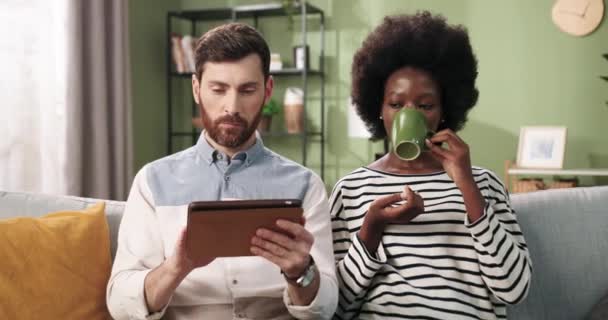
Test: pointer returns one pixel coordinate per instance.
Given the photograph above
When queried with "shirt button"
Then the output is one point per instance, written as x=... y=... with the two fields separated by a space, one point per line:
x=227 y=178
x=234 y=281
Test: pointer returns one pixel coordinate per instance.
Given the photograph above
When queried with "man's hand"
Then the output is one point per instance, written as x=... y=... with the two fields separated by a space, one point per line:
x=179 y=261
x=161 y=283
x=289 y=251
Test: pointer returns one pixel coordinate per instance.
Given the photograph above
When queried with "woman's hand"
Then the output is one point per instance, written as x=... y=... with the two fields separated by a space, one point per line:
x=455 y=159
x=381 y=212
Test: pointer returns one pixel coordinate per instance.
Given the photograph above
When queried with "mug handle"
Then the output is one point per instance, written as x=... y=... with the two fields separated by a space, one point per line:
x=429 y=134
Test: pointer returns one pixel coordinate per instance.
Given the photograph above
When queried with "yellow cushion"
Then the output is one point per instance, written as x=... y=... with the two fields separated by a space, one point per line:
x=56 y=266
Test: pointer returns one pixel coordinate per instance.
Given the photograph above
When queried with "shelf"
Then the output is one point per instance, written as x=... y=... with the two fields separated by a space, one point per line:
x=241 y=12
x=207 y=14
x=282 y=72
x=559 y=172
x=520 y=185
x=276 y=11
x=295 y=72
x=303 y=12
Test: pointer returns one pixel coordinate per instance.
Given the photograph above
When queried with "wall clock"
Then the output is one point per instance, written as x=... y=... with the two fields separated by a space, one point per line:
x=577 y=17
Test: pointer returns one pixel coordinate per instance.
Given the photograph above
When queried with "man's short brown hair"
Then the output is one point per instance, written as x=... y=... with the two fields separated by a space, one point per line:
x=231 y=42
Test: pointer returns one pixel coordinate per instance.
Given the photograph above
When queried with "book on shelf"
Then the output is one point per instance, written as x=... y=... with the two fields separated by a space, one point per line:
x=182 y=53
x=188 y=49
x=177 y=55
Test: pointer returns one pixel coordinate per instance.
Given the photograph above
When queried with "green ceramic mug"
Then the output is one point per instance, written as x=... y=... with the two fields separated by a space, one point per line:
x=409 y=133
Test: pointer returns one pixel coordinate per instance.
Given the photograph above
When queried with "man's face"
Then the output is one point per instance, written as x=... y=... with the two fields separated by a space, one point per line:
x=230 y=96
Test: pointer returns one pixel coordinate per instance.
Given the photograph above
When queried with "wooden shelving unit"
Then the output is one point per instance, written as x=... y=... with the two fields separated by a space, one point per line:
x=511 y=171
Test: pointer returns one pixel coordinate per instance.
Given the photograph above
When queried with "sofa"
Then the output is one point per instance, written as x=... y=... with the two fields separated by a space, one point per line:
x=566 y=232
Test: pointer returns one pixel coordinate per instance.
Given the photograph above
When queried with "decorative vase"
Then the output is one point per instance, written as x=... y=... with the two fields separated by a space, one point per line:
x=294 y=110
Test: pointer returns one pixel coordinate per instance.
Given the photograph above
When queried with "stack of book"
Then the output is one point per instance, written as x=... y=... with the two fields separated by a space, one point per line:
x=182 y=53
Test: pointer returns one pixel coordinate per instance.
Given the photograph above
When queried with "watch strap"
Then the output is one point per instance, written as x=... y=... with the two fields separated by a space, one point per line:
x=306 y=278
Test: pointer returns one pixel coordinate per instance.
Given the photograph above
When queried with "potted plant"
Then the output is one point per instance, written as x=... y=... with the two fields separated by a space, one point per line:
x=291 y=7
x=268 y=110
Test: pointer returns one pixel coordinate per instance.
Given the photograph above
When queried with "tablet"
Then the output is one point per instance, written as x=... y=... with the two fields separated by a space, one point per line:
x=225 y=228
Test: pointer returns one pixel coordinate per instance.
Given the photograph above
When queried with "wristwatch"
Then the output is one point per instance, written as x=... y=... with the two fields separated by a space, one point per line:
x=306 y=278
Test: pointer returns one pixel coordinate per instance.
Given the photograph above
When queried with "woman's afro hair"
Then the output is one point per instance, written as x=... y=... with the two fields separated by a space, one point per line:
x=423 y=41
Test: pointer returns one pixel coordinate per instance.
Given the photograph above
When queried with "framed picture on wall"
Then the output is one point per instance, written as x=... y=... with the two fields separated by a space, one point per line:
x=541 y=147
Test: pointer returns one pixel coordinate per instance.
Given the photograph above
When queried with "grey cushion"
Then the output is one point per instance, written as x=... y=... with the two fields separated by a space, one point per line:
x=567 y=235
x=14 y=204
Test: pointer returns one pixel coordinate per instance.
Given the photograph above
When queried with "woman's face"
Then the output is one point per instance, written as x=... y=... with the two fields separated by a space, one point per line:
x=411 y=88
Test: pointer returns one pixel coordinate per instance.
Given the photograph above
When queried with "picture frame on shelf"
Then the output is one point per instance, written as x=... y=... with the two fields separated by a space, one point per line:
x=541 y=147
x=301 y=57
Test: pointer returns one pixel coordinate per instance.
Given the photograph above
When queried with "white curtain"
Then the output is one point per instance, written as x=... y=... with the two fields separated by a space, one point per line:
x=33 y=95
x=65 y=105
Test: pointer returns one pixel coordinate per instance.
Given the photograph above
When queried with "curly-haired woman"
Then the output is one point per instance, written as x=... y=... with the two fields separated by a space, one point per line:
x=434 y=237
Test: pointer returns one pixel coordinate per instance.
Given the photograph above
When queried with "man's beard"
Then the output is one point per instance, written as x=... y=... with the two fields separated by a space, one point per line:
x=231 y=137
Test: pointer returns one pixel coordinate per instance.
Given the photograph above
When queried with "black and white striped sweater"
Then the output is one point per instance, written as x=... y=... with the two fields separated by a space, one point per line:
x=438 y=266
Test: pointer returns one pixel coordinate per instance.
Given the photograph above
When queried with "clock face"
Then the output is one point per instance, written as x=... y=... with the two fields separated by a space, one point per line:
x=578 y=17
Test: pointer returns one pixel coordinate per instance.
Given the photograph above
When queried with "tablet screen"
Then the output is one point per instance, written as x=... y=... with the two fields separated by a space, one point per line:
x=225 y=228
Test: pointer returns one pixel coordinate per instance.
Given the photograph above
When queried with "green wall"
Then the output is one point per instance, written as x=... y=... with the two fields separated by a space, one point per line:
x=147 y=50
x=529 y=74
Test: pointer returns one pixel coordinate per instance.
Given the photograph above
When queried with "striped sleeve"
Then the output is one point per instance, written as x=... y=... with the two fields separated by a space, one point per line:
x=356 y=267
x=501 y=248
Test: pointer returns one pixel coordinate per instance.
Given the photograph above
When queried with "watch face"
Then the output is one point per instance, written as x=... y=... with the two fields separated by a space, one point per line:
x=306 y=279
x=578 y=17
x=309 y=275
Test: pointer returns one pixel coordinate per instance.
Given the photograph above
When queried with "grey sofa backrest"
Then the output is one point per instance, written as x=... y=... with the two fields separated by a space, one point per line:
x=566 y=231
x=567 y=234
x=14 y=204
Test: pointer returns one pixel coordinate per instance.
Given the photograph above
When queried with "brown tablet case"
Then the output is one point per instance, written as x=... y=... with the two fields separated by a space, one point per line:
x=225 y=228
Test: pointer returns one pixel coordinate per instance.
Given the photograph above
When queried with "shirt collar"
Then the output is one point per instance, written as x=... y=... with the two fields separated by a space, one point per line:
x=248 y=156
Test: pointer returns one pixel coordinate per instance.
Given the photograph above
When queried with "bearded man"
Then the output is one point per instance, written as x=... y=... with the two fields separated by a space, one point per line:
x=152 y=277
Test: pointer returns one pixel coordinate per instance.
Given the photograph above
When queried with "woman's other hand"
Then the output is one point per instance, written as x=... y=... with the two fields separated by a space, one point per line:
x=455 y=159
